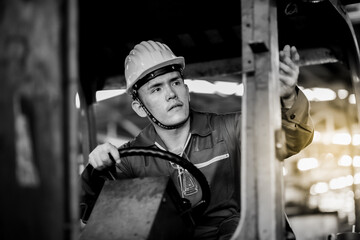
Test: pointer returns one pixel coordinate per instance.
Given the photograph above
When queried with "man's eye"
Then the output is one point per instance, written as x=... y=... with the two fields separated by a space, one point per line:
x=176 y=83
x=155 y=90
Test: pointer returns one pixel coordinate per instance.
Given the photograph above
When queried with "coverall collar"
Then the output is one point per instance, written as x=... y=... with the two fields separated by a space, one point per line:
x=199 y=125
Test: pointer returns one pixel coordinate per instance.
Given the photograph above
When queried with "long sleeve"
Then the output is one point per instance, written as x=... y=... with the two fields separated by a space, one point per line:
x=298 y=125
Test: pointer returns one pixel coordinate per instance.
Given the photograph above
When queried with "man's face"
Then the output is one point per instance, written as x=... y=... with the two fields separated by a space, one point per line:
x=167 y=98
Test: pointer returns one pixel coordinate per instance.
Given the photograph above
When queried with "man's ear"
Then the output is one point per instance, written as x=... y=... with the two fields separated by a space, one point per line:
x=137 y=107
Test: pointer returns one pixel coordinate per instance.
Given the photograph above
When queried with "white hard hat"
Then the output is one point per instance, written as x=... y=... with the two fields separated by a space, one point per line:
x=147 y=57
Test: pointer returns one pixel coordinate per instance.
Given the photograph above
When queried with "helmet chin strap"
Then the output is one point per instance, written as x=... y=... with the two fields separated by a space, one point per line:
x=157 y=122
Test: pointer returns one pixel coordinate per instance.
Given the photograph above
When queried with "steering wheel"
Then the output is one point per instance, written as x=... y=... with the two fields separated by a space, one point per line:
x=168 y=156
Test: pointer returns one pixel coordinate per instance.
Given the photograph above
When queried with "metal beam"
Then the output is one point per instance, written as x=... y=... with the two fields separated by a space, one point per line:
x=261 y=176
x=353 y=54
x=38 y=132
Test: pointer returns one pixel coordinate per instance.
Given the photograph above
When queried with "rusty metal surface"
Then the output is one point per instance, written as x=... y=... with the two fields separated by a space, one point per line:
x=134 y=209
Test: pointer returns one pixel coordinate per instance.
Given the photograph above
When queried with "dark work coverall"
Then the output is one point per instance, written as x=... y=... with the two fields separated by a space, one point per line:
x=214 y=148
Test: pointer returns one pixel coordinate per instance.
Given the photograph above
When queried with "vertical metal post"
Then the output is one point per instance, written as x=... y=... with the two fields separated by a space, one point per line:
x=261 y=172
x=38 y=144
x=71 y=78
x=353 y=54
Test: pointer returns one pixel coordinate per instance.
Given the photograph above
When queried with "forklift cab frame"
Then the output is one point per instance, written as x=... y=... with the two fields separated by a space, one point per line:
x=42 y=71
x=266 y=26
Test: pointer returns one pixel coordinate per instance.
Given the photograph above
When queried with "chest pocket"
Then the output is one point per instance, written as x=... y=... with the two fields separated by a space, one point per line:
x=214 y=162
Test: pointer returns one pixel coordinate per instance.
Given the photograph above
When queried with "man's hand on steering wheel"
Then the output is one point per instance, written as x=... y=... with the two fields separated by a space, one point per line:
x=100 y=157
x=106 y=155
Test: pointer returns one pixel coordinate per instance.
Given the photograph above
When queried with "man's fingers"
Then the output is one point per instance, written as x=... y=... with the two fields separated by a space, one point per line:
x=290 y=63
x=99 y=158
x=295 y=57
x=287 y=74
x=286 y=51
x=289 y=52
x=105 y=159
x=288 y=70
x=112 y=152
x=285 y=68
x=96 y=162
x=115 y=154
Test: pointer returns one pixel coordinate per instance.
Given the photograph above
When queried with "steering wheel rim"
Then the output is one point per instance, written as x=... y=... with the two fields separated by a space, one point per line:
x=169 y=156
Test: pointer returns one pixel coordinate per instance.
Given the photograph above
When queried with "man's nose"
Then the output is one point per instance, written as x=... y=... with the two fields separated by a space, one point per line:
x=170 y=93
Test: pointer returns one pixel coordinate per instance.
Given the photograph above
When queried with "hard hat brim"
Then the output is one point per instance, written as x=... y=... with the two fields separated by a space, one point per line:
x=176 y=60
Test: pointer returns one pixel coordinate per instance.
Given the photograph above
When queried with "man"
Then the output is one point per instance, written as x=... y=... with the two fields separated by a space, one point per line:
x=154 y=77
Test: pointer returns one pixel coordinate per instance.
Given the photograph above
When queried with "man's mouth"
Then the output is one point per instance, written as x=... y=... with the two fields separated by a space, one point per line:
x=175 y=106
